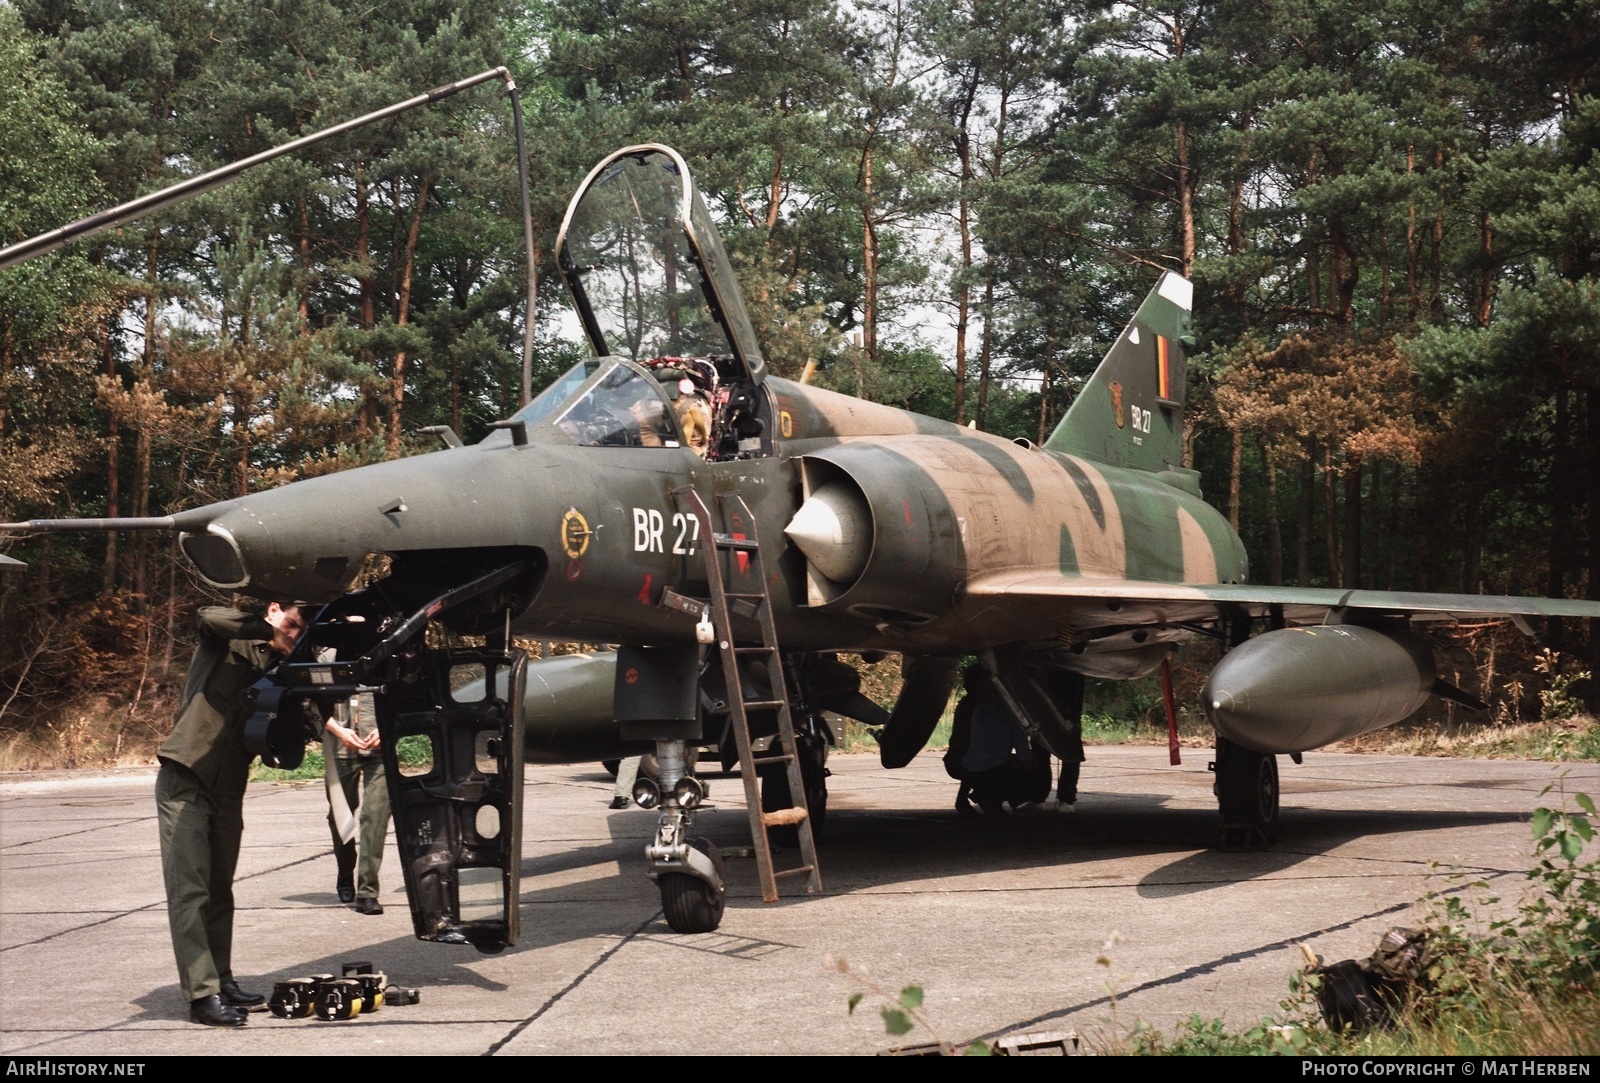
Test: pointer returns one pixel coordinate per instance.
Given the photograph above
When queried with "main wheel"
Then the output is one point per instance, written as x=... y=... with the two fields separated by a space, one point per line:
x=691 y=904
x=1247 y=788
x=775 y=791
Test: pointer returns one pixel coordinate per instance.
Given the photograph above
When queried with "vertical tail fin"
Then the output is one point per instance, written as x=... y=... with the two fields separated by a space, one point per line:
x=1130 y=413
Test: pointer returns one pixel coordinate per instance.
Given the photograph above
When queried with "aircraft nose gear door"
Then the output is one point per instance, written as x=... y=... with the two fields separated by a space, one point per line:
x=458 y=817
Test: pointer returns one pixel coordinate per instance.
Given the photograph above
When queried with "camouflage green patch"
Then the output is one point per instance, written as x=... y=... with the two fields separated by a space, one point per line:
x=1154 y=544
x=1080 y=478
x=1005 y=464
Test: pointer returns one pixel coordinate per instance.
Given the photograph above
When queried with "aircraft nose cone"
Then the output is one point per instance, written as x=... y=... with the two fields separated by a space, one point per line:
x=833 y=528
x=215 y=554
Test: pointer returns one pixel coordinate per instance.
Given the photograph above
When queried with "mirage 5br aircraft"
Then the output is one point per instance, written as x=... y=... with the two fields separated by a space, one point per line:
x=730 y=531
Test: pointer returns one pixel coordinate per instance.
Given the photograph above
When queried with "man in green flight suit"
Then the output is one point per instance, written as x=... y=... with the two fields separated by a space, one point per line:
x=354 y=758
x=200 y=801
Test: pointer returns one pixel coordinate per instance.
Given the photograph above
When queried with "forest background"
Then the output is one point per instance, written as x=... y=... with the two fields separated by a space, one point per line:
x=1390 y=209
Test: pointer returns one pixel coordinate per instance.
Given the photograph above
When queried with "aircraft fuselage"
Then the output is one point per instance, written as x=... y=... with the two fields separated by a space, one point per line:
x=607 y=535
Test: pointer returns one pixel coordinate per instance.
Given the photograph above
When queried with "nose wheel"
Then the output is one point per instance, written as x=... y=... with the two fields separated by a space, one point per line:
x=687 y=870
x=691 y=904
x=1247 y=795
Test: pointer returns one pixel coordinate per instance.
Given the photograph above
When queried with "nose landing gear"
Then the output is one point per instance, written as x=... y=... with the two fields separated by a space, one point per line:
x=687 y=870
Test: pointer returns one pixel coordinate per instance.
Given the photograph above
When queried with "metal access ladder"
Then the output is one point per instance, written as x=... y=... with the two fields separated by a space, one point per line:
x=755 y=605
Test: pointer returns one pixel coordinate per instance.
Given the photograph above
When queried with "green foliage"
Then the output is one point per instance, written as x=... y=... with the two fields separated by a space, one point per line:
x=1201 y=1037
x=413 y=752
x=903 y=1012
x=312 y=767
x=1557 y=702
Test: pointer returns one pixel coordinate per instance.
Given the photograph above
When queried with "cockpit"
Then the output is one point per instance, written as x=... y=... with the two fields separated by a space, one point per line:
x=676 y=361
x=605 y=402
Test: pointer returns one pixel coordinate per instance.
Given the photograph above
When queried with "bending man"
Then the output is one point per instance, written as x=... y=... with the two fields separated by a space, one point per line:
x=200 y=802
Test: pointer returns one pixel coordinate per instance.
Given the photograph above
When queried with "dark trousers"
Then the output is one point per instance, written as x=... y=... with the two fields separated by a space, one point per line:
x=200 y=832
x=1015 y=781
x=362 y=780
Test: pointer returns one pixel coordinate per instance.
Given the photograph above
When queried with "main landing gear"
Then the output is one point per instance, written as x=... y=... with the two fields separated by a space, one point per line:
x=1247 y=794
x=775 y=794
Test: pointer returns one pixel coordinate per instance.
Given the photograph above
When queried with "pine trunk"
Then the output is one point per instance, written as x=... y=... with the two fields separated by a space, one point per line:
x=366 y=288
x=1235 y=458
x=1591 y=426
x=1330 y=519
x=108 y=570
x=1352 y=523
x=869 y=267
x=1274 y=526
x=397 y=379
x=1304 y=503
x=1413 y=287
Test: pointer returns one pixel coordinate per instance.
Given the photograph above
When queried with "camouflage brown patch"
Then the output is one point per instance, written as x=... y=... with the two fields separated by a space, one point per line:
x=1199 y=559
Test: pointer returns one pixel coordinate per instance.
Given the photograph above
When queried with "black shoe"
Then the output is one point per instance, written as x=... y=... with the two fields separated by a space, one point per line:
x=370 y=907
x=347 y=887
x=212 y=1012
x=235 y=997
x=620 y=802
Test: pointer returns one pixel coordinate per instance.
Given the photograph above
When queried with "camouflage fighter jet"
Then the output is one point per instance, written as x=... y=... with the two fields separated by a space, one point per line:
x=731 y=531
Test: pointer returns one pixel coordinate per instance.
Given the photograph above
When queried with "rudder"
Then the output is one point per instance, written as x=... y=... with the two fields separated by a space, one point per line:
x=1130 y=412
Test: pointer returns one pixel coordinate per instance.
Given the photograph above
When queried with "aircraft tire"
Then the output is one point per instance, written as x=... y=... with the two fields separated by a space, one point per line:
x=1247 y=788
x=692 y=905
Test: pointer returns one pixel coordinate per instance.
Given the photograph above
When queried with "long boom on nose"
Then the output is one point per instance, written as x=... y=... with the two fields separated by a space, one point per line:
x=193 y=519
x=92 y=526
x=196 y=519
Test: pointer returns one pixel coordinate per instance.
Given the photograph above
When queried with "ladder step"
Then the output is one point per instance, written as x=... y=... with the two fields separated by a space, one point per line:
x=754 y=606
x=783 y=817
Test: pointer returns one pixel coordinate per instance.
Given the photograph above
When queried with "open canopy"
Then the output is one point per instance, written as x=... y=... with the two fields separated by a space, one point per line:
x=647 y=268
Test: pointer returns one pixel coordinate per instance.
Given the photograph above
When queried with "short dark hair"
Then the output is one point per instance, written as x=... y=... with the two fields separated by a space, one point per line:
x=974 y=677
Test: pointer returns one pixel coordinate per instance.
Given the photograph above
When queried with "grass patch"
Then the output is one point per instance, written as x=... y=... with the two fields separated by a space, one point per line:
x=1105 y=729
x=1574 y=739
x=312 y=767
x=413 y=752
